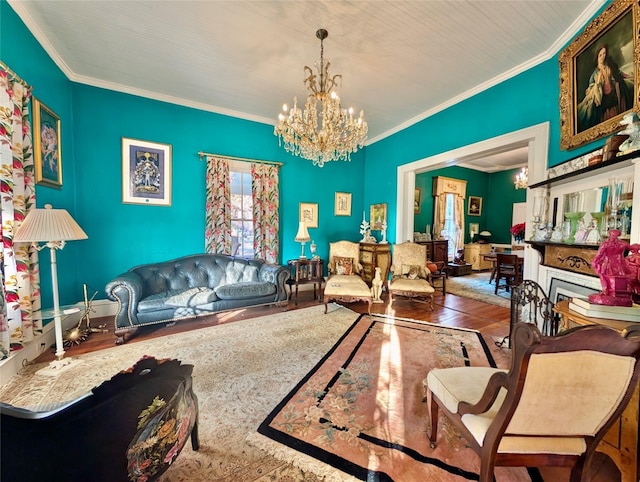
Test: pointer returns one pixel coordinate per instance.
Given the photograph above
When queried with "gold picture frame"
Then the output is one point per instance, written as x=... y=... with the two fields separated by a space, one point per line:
x=475 y=206
x=378 y=214
x=146 y=172
x=587 y=112
x=343 y=204
x=417 y=200
x=309 y=214
x=47 y=148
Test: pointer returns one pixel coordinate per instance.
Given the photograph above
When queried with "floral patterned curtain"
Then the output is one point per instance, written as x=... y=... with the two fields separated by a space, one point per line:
x=266 y=201
x=218 y=206
x=458 y=215
x=19 y=273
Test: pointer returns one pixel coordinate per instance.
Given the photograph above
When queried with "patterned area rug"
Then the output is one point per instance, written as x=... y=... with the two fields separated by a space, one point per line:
x=361 y=410
x=241 y=371
x=477 y=287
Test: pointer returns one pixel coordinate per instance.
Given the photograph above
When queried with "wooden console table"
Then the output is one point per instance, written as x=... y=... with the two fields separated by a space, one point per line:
x=621 y=442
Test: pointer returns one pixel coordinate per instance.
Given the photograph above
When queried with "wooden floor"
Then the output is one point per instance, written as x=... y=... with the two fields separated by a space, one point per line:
x=450 y=310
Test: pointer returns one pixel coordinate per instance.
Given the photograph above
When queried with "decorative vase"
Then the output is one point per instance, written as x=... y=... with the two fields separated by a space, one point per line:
x=573 y=219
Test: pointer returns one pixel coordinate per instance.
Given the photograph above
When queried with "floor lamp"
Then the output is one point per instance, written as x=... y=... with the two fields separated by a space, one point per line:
x=53 y=227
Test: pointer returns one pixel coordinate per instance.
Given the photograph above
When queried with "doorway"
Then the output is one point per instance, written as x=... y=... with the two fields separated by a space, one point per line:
x=535 y=137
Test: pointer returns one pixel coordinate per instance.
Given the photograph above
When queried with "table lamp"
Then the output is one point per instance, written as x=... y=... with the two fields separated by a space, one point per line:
x=302 y=237
x=53 y=227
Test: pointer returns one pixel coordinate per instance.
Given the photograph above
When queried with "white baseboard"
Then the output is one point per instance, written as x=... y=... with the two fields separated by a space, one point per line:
x=32 y=350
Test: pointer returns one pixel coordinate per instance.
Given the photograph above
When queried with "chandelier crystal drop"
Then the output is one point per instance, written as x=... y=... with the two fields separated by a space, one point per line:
x=522 y=179
x=324 y=131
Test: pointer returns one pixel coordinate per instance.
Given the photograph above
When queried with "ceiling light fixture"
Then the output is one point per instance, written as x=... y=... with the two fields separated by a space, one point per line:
x=325 y=132
x=522 y=179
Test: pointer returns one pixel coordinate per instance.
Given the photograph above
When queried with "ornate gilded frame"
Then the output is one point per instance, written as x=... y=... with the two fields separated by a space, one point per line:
x=47 y=149
x=576 y=64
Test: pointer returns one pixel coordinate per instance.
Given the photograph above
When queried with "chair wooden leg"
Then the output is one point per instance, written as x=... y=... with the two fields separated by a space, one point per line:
x=433 y=416
x=486 y=471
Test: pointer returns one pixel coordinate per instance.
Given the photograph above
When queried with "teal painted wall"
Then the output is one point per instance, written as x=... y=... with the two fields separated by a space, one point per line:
x=523 y=101
x=120 y=236
x=53 y=89
x=498 y=195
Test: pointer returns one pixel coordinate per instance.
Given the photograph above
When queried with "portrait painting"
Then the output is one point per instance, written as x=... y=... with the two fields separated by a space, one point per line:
x=599 y=76
x=309 y=214
x=47 y=147
x=378 y=216
x=475 y=206
x=146 y=172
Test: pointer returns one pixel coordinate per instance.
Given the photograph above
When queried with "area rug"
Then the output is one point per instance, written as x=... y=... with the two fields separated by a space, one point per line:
x=476 y=286
x=361 y=408
x=241 y=371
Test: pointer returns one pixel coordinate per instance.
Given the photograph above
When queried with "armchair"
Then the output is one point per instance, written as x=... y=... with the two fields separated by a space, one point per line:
x=553 y=406
x=130 y=428
x=410 y=276
x=345 y=283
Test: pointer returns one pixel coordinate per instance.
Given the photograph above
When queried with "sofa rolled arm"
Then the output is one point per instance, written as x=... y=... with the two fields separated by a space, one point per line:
x=278 y=275
x=127 y=290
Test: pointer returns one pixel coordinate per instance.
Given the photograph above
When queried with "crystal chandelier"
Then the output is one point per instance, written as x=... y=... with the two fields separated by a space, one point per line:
x=522 y=179
x=324 y=131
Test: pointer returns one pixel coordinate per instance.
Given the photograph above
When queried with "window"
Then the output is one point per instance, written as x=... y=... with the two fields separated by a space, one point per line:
x=241 y=210
x=450 y=224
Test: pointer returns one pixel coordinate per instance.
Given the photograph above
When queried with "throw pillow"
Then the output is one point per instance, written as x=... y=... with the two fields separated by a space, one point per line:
x=432 y=267
x=413 y=271
x=343 y=265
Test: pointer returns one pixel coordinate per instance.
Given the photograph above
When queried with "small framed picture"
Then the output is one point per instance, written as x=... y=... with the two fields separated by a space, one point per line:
x=146 y=172
x=474 y=228
x=47 y=147
x=343 y=204
x=378 y=216
x=475 y=206
x=417 y=200
x=309 y=214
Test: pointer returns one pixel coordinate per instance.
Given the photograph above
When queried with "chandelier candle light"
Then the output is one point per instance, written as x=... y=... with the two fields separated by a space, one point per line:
x=522 y=179
x=324 y=131
x=53 y=227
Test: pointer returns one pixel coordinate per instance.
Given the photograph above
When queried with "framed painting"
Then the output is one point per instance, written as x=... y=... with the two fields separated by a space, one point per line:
x=475 y=206
x=46 y=146
x=417 y=200
x=309 y=214
x=599 y=76
x=560 y=289
x=146 y=172
x=343 y=204
x=378 y=216
x=474 y=228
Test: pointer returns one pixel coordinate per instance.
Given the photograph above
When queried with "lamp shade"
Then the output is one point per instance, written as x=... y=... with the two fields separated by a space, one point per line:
x=303 y=234
x=48 y=224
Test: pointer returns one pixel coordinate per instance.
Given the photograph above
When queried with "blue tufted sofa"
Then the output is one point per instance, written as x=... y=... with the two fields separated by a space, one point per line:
x=191 y=286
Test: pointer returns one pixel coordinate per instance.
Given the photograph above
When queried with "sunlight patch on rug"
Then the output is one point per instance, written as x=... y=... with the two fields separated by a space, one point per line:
x=476 y=286
x=360 y=409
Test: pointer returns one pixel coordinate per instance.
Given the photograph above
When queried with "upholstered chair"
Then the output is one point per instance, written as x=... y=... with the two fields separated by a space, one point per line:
x=345 y=283
x=551 y=408
x=410 y=276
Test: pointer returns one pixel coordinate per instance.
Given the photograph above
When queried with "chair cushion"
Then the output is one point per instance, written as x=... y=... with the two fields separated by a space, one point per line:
x=416 y=285
x=192 y=297
x=346 y=285
x=452 y=385
x=243 y=291
x=344 y=266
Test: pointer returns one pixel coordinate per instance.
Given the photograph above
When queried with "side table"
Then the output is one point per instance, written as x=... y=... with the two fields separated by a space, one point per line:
x=305 y=271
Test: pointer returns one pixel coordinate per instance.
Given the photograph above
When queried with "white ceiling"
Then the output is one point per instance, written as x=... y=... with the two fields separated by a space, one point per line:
x=401 y=61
